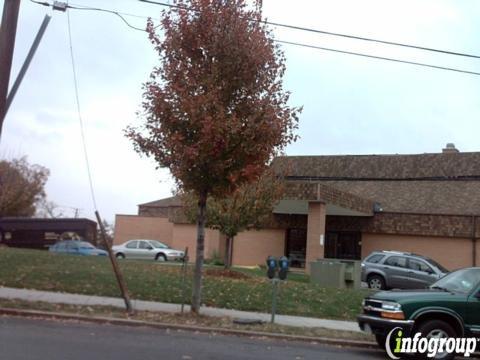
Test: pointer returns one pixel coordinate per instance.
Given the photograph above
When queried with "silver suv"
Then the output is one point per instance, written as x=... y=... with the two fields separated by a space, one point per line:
x=400 y=270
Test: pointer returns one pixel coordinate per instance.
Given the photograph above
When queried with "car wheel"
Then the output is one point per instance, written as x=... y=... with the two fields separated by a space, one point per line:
x=161 y=257
x=376 y=282
x=120 y=256
x=437 y=329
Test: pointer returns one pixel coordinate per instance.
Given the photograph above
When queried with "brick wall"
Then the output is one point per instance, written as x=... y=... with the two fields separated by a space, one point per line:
x=451 y=253
x=314 y=191
x=407 y=224
x=315 y=231
x=128 y=227
x=186 y=235
x=331 y=195
x=478 y=253
x=251 y=248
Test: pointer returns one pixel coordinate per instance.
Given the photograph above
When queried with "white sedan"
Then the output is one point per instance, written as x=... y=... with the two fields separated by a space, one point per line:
x=146 y=249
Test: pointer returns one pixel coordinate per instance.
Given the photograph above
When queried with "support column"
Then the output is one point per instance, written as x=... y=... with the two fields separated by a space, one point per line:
x=315 y=233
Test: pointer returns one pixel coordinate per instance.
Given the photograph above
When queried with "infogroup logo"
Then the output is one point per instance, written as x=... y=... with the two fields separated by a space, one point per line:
x=396 y=345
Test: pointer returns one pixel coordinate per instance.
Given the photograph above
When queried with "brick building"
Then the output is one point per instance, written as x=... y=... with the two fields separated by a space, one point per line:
x=346 y=207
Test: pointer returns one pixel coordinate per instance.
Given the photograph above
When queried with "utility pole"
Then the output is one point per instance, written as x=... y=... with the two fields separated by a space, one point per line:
x=116 y=269
x=8 y=32
x=26 y=63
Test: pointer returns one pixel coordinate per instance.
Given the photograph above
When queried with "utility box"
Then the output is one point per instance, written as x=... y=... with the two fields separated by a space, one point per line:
x=336 y=273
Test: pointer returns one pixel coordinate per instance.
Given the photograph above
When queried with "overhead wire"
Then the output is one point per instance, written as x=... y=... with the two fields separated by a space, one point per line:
x=324 y=32
x=298 y=44
x=377 y=57
x=111 y=12
x=44 y=3
x=79 y=114
x=80 y=7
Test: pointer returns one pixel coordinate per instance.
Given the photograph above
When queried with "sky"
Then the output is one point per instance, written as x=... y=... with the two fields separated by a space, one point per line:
x=352 y=105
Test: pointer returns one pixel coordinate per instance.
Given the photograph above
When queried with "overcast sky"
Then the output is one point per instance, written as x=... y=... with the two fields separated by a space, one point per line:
x=352 y=105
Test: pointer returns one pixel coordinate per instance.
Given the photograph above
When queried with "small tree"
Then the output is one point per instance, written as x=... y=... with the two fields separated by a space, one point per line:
x=215 y=110
x=22 y=187
x=48 y=210
x=249 y=207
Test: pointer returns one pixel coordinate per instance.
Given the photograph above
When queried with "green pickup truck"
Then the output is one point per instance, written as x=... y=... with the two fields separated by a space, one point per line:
x=450 y=308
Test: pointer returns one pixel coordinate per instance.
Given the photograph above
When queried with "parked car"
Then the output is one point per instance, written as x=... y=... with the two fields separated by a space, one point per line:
x=76 y=247
x=447 y=309
x=399 y=270
x=147 y=249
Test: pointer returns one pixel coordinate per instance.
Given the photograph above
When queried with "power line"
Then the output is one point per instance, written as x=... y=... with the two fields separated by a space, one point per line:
x=110 y=12
x=448 y=52
x=77 y=99
x=119 y=14
x=324 y=32
x=79 y=7
x=351 y=52
x=377 y=57
x=44 y=3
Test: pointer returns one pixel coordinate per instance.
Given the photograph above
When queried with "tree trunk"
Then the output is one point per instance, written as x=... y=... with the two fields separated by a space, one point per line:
x=197 y=278
x=230 y=255
x=226 y=259
x=229 y=252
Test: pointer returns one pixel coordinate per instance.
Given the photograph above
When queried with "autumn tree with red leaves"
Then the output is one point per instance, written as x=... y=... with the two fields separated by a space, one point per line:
x=215 y=112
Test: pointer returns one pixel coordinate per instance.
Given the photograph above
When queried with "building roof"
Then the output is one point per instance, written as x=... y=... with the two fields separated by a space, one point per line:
x=439 y=166
x=455 y=197
x=166 y=202
x=443 y=183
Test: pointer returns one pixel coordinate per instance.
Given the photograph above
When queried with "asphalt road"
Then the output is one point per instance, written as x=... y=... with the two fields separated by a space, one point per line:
x=28 y=339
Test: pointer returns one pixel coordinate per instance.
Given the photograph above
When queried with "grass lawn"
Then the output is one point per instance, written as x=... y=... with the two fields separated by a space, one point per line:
x=248 y=290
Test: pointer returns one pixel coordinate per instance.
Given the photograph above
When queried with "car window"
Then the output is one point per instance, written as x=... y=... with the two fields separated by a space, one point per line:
x=419 y=266
x=60 y=246
x=437 y=265
x=72 y=245
x=375 y=258
x=144 y=245
x=158 y=244
x=397 y=261
x=86 y=245
x=462 y=281
x=132 y=245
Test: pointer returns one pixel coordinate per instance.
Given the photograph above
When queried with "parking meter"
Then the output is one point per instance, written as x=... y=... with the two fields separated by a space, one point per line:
x=272 y=265
x=283 y=265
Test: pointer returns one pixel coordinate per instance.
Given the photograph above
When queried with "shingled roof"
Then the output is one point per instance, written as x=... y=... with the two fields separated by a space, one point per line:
x=454 y=197
x=167 y=202
x=445 y=183
x=384 y=167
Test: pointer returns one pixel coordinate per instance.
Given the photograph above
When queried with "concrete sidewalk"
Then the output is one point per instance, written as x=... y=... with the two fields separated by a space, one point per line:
x=86 y=300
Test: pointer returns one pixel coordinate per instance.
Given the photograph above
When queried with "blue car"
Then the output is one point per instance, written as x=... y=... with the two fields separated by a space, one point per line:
x=76 y=247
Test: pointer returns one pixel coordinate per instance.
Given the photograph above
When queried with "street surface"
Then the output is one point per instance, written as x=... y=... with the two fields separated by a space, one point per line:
x=28 y=339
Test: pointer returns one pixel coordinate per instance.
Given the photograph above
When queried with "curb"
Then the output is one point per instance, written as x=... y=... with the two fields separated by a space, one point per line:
x=191 y=328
